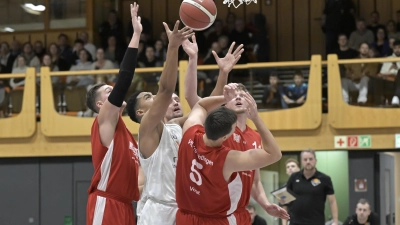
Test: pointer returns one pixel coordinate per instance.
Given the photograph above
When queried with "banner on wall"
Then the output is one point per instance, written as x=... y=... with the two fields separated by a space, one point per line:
x=355 y=141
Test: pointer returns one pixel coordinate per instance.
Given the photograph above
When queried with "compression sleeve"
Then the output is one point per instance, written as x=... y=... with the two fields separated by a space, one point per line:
x=125 y=76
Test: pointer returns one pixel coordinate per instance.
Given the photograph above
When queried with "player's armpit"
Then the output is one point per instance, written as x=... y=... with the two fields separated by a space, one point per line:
x=180 y=121
x=196 y=116
x=248 y=160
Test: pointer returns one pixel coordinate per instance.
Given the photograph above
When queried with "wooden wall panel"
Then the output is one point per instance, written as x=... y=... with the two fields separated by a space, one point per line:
x=173 y=11
x=285 y=30
x=395 y=8
x=222 y=10
x=270 y=11
x=365 y=7
x=22 y=38
x=384 y=7
x=159 y=15
x=301 y=30
x=38 y=37
x=7 y=38
x=317 y=37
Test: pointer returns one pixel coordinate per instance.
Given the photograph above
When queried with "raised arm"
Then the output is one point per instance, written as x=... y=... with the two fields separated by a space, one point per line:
x=168 y=80
x=191 y=49
x=200 y=110
x=110 y=111
x=225 y=66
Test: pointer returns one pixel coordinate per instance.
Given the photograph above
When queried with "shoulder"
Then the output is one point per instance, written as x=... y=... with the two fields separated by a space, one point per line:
x=195 y=129
x=323 y=176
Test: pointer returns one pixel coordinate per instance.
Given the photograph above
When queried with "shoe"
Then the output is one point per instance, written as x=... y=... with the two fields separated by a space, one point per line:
x=395 y=101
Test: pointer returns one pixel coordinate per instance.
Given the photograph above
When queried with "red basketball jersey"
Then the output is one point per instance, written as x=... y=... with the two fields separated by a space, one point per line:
x=200 y=185
x=243 y=141
x=116 y=167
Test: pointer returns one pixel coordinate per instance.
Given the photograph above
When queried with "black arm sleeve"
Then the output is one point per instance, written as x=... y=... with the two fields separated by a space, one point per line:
x=125 y=76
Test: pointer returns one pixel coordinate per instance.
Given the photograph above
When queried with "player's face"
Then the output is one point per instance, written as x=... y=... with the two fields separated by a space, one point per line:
x=104 y=92
x=363 y=211
x=239 y=103
x=146 y=100
x=174 y=109
x=308 y=160
x=252 y=213
x=291 y=167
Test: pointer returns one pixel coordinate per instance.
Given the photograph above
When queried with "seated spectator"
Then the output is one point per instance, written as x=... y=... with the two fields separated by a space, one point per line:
x=160 y=51
x=112 y=27
x=150 y=60
x=30 y=58
x=15 y=48
x=381 y=43
x=219 y=30
x=374 y=26
x=391 y=30
x=295 y=94
x=78 y=46
x=223 y=42
x=357 y=76
x=20 y=67
x=391 y=42
x=57 y=59
x=272 y=93
x=39 y=49
x=103 y=64
x=389 y=77
x=114 y=51
x=344 y=52
x=240 y=35
x=363 y=215
x=6 y=58
x=209 y=59
x=361 y=35
x=84 y=64
x=84 y=36
x=255 y=219
x=46 y=61
x=64 y=49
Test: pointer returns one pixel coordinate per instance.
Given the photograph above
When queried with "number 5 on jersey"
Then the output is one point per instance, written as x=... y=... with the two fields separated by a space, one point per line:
x=196 y=173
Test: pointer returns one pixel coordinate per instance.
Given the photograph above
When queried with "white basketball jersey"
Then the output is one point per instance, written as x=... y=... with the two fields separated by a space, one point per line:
x=160 y=167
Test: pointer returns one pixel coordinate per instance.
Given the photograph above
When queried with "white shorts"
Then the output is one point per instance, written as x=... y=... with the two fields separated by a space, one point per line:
x=157 y=213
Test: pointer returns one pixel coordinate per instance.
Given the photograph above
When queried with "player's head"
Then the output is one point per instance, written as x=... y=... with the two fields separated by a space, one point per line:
x=252 y=212
x=363 y=210
x=292 y=166
x=97 y=95
x=140 y=102
x=220 y=124
x=308 y=159
x=238 y=104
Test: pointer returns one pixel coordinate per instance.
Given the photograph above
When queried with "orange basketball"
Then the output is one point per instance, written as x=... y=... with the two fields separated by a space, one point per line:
x=198 y=14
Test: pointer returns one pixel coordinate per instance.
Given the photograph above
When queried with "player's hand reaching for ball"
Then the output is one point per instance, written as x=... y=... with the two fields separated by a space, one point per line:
x=226 y=64
x=191 y=47
x=252 y=111
x=230 y=91
x=136 y=24
x=176 y=37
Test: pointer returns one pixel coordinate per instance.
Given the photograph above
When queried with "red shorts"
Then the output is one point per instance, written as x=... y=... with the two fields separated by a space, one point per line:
x=239 y=218
x=108 y=211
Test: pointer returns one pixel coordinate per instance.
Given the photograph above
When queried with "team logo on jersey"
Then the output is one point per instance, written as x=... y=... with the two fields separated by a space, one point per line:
x=175 y=160
x=315 y=182
x=236 y=137
x=134 y=151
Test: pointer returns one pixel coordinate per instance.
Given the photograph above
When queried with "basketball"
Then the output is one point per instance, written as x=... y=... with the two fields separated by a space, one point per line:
x=198 y=14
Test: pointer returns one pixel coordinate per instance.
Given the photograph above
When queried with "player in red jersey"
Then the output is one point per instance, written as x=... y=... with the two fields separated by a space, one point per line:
x=115 y=181
x=244 y=138
x=206 y=191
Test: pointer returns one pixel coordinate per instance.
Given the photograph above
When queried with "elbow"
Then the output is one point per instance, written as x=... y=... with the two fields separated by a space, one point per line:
x=278 y=155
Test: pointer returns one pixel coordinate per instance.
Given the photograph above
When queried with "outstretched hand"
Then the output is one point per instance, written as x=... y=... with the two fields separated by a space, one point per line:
x=176 y=37
x=252 y=111
x=226 y=64
x=190 y=48
x=136 y=20
x=230 y=91
x=276 y=211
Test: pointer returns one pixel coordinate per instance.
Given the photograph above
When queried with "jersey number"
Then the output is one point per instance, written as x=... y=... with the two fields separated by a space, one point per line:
x=197 y=181
x=255 y=145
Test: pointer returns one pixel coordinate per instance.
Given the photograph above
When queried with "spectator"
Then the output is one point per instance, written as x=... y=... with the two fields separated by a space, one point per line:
x=146 y=24
x=230 y=22
x=381 y=43
x=20 y=67
x=111 y=27
x=114 y=51
x=46 y=62
x=292 y=166
x=83 y=64
x=6 y=58
x=255 y=219
x=160 y=51
x=357 y=77
x=272 y=93
x=84 y=36
x=375 y=25
x=363 y=215
x=240 y=35
x=218 y=32
x=78 y=46
x=295 y=94
x=389 y=79
x=57 y=59
x=223 y=42
x=260 y=38
x=103 y=64
x=361 y=35
x=65 y=50
x=39 y=49
x=311 y=189
x=344 y=52
x=391 y=30
x=15 y=49
x=29 y=55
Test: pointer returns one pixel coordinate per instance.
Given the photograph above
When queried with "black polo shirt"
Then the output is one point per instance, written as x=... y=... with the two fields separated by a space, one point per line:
x=309 y=206
x=373 y=219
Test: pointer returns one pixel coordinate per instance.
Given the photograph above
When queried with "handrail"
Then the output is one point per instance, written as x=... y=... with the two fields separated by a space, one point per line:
x=24 y=124
x=369 y=60
x=13 y=75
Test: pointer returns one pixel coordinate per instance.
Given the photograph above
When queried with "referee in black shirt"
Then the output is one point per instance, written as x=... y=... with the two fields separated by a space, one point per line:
x=311 y=188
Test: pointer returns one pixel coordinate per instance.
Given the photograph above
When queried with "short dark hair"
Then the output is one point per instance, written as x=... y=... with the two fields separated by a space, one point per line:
x=79 y=41
x=363 y=43
x=293 y=161
x=132 y=106
x=63 y=35
x=219 y=123
x=396 y=43
x=241 y=87
x=363 y=201
x=250 y=206
x=308 y=151
x=342 y=34
x=361 y=19
x=298 y=73
x=91 y=97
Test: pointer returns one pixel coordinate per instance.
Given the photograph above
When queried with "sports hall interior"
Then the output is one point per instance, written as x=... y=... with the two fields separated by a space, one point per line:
x=45 y=151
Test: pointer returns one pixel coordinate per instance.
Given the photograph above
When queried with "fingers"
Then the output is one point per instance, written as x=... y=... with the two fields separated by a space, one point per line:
x=231 y=48
x=176 y=26
x=139 y=19
x=187 y=32
x=232 y=86
x=237 y=59
x=166 y=27
x=238 y=49
x=215 y=55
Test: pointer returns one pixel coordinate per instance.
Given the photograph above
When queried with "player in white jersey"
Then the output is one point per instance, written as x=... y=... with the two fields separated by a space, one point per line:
x=157 y=204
